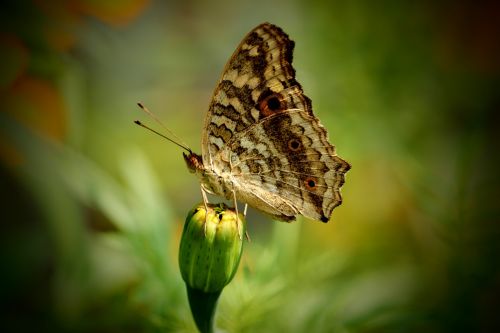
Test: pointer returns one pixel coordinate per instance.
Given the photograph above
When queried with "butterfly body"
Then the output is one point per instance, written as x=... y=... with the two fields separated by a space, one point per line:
x=261 y=142
x=218 y=182
x=226 y=184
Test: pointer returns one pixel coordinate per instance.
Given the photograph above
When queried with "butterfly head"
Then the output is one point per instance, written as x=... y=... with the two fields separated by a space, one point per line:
x=194 y=162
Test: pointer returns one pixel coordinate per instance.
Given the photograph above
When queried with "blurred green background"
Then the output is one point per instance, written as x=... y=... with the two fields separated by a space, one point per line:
x=93 y=206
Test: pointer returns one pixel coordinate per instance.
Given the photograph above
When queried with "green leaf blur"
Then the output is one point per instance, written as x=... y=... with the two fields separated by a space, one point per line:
x=93 y=205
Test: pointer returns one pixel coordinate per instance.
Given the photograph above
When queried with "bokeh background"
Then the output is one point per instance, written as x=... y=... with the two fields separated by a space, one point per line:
x=92 y=206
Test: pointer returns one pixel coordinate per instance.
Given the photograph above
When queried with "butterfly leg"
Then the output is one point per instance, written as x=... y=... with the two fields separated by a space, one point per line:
x=247 y=235
x=205 y=202
x=240 y=227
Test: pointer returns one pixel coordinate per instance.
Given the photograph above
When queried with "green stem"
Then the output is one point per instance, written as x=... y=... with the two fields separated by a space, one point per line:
x=203 y=306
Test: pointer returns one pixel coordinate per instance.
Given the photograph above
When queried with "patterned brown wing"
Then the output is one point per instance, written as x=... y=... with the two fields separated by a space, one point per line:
x=261 y=138
x=287 y=154
x=259 y=68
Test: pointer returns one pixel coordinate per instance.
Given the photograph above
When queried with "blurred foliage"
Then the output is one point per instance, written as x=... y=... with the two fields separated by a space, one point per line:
x=92 y=206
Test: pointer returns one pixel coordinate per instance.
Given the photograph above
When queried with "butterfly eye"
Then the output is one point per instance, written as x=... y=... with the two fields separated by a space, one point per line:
x=270 y=105
x=310 y=184
x=294 y=144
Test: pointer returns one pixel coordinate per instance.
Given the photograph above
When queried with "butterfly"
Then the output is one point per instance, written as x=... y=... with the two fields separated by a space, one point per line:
x=261 y=143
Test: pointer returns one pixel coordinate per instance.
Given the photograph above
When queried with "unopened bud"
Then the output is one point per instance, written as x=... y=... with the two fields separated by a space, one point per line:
x=209 y=254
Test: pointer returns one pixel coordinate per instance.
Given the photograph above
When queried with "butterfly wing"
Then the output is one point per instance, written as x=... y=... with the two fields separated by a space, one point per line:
x=260 y=65
x=261 y=130
x=288 y=154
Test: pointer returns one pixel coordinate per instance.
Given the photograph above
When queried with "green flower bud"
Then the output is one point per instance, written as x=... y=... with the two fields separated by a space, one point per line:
x=209 y=254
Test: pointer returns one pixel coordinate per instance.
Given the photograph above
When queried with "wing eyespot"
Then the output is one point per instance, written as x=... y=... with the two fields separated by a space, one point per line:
x=310 y=184
x=271 y=105
x=294 y=145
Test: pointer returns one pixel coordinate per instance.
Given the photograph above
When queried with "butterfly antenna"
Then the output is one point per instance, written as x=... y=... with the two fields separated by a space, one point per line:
x=176 y=139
